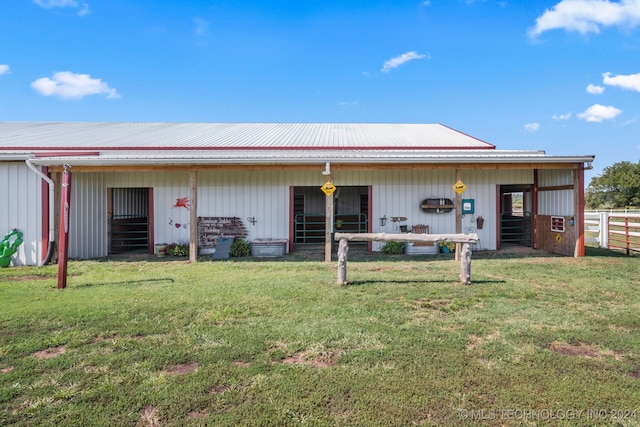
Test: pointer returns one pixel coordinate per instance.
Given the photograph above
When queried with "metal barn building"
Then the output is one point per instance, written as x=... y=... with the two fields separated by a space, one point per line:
x=138 y=184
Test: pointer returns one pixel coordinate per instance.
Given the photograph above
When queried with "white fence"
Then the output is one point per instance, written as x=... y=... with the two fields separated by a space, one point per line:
x=597 y=226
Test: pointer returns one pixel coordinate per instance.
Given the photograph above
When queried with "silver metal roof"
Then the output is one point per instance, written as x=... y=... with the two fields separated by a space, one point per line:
x=113 y=144
x=224 y=136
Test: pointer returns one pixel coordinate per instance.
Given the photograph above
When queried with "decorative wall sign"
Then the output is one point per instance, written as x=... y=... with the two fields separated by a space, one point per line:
x=210 y=229
x=459 y=187
x=182 y=202
x=328 y=188
x=557 y=224
x=468 y=206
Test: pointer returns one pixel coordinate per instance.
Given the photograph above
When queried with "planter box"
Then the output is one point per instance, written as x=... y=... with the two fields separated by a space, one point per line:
x=411 y=249
x=268 y=247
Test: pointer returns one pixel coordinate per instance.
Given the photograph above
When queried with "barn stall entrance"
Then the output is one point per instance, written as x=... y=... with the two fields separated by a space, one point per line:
x=129 y=219
x=516 y=215
x=351 y=213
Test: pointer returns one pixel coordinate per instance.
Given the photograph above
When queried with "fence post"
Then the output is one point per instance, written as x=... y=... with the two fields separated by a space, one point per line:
x=603 y=233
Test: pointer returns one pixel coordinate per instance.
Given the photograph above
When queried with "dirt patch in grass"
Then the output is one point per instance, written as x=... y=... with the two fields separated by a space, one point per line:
x=476 y=341
x=217 y=389
x=242 y=364
x=6 y=370
x=48 y=353
x=196 y=414
x=322 y=360
x=148 y=417
x=635 y=374
x=182 y=369
x=575 y=350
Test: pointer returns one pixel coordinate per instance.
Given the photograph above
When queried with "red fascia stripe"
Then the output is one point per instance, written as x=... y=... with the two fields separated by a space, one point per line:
x=67 y=153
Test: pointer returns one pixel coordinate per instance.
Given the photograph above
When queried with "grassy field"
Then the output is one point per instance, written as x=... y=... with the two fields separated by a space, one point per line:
x=537 y=340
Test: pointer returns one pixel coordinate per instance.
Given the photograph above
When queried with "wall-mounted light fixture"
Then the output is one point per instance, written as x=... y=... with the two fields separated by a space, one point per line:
x=383 y=221
x=252 y=220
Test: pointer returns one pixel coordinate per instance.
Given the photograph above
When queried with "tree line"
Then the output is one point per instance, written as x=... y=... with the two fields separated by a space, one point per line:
x=617 y=187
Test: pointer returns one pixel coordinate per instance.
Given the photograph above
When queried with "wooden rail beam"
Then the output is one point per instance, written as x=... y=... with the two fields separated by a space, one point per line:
x=407 y=237
x=464 y=241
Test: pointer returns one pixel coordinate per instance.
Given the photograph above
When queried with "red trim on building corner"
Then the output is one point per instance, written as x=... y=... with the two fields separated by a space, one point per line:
x=152 y=240
x=534 y=209
x=370 y=219
x=580 y=213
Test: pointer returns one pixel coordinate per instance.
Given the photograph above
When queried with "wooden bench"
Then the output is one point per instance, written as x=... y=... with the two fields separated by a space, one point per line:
x=463 y=242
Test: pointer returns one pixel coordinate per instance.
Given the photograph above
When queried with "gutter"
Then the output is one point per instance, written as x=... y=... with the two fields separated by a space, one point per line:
x=51 y=245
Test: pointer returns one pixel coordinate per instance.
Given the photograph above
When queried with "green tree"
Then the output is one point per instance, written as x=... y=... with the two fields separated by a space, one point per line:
x=617 y=187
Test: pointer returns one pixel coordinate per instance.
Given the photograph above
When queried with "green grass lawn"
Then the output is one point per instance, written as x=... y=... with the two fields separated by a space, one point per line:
x=533 y=341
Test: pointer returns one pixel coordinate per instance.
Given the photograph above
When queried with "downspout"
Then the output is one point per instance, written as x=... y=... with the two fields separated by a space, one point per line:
x=52 y=238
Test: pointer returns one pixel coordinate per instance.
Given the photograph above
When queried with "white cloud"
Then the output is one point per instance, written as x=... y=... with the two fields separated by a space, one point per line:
x=201 y=26
x=85 y=10
x=587 y=16
x=50 y=4
x=68 y=85
x=594 y=89
x=598 y=113
x=348 y=103
x=531 y=127
x=559 y=117
x=630 y=82
x=4 y=69
x=401 y=59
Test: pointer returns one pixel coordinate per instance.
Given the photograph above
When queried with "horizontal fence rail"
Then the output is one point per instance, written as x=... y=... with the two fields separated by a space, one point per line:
x=613 y=230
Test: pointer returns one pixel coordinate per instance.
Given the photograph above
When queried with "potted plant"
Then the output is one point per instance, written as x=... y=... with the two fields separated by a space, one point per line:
x=447 y=247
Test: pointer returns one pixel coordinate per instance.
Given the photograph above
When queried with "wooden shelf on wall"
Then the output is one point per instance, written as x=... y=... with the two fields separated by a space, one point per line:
x=436 y=205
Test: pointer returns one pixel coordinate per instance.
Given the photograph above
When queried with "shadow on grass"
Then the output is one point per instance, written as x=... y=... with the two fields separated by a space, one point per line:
x=122 y=282
x=401 y=282
x=601 y=252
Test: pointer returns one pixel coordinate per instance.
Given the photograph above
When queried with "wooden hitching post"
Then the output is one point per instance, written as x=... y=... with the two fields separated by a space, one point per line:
x=465 y=264
x=343 y=249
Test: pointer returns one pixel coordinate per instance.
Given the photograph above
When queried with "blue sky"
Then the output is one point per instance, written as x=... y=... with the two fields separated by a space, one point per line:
x=560 y=76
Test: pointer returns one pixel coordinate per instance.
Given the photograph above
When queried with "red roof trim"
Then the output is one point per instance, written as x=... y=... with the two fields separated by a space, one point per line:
x=66 y=153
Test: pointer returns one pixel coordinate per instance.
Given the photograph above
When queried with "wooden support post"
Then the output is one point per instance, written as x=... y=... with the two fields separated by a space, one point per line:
x=193 y=216
x=343 y=249
x=328 y=227
x=465 y=264
x=458 y=203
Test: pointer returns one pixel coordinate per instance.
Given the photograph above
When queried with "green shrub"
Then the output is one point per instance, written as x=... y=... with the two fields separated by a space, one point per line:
x=240 y=248
x=393 y=248
x=178 y=249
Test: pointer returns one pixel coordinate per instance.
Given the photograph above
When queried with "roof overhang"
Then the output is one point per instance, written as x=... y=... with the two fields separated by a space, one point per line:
x=351 y=158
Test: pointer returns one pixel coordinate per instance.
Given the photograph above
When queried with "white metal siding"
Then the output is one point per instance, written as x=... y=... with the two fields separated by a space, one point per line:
x=20 y=206
x=556 y=202
x=264 y=195
x=88 y=218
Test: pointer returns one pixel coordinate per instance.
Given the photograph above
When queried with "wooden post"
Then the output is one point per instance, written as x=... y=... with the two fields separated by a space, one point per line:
x=193 y=217
x=343 y=249
x=465 y=264
x=458 y=203
x=65 y=218
x=328 y=227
